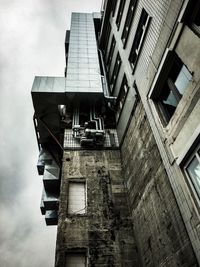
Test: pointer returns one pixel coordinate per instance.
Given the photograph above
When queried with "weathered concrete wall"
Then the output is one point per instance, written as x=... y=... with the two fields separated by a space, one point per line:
x=158 y=227
x=105 y=232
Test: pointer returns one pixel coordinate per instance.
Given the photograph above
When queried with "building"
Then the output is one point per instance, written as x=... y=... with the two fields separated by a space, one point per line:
x=119 y=137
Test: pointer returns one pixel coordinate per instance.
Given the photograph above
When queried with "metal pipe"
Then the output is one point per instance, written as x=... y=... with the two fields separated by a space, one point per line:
x=91 y=119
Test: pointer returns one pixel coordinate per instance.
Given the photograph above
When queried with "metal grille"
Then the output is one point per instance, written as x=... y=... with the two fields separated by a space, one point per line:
x=111 y=140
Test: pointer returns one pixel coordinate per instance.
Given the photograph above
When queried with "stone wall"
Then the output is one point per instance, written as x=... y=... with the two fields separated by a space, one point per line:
x=158 y=227
x=105 y=232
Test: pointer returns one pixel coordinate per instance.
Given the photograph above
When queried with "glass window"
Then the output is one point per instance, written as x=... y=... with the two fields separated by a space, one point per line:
x=110 y=54
x=122 y=96
x=114 y=3
x=193 y=171
x=193 y=15
x=183 y=79
x=120 y=13
x=139 y=38
x=115 y=72
x=173 y=88
x=128 y=22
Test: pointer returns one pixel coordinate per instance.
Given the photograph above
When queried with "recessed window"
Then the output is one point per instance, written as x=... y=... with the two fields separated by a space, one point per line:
x=110 y=54
x=128 y=22
x=193 y=15
x=76 y=260
x=192 y=170
x=122 y=96
x=114 y=3
x=77 y=198
x=107 y=35
x=120 y=13
x=115 y=72
x=173 y=88
x=139 y=38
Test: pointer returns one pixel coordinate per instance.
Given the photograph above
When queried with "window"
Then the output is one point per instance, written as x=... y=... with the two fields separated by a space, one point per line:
x=122 y=96
x=107 y=35
x=129 y=19
x=139 y=38
x=120 y=13
x=193 y=15
x=114 y=3
x=173 y=88
x=77 y=198
x=76 y=260
x=192 y=170
x=115 y=72
x=110 y=54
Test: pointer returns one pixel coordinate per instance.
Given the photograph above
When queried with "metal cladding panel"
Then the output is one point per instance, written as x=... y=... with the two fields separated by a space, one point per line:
x=83 y=71
x=50 y=201
x=51 y=217
x=51 y=178
x=48 y=84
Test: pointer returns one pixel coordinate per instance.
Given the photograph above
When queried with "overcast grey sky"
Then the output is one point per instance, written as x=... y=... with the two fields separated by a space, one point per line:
x=31 y=43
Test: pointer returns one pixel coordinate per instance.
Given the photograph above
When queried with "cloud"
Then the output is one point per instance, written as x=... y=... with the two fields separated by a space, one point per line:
x=32 y=43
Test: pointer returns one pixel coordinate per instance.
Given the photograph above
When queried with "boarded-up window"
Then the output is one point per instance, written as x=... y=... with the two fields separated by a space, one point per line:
x=75 y=260
x=77 y=198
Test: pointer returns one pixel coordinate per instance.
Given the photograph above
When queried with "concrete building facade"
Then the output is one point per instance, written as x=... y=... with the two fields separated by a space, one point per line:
x=119 y=137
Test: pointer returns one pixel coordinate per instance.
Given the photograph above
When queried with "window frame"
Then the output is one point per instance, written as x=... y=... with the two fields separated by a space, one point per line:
x=107 y=36
x=162 y=77
x=129 y=21
x=114 y=4
x=137 y=46
x=77 y=213
x=123 y=83
x=190 y=156
x=191 y=14
x=115 y=72
x=110 y=53
x=120 y=13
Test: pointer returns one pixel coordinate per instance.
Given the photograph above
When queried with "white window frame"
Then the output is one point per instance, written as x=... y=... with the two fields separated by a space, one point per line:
x=184 y=159
x=81 y=211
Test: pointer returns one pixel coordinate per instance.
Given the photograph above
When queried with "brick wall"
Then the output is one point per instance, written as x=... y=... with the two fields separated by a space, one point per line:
x=105 y=231
x=158 y=227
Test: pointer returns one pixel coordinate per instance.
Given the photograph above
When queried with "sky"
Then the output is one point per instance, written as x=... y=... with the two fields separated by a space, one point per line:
x=31 y=44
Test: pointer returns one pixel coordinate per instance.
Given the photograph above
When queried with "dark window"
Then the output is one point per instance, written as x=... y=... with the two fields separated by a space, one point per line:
x=173 y=88
x=76 y=259
x=114 y=3
x=107 y=35
x=110 y=54
x=192 y=169
x=115 y=72
x=193 y=15
x=128 y=22
x=120 y=13
x=122 y=96
x=139 y=38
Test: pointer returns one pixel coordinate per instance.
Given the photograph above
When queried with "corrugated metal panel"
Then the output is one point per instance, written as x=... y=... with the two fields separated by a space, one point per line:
x=77 y=198
x=75 y=260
